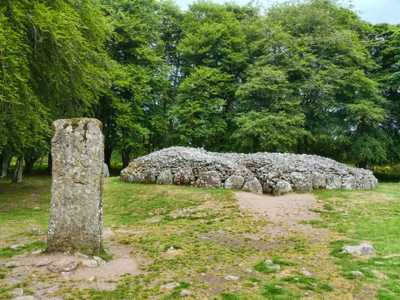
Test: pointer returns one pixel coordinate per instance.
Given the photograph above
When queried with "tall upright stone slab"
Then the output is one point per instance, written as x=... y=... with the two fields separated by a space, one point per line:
x=76 y=214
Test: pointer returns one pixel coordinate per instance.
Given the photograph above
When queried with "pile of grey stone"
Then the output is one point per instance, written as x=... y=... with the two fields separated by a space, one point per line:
x=272 y=173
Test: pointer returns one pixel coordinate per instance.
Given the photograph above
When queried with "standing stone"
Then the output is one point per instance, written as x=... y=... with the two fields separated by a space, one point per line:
x=106 y=170
x=76 y=201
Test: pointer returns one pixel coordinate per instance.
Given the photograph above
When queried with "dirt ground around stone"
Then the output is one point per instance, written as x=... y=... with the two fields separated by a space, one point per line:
x=49 y=273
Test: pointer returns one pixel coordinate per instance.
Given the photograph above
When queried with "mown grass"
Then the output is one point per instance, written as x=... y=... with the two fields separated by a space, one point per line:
x=206 y=230
x=372 y=216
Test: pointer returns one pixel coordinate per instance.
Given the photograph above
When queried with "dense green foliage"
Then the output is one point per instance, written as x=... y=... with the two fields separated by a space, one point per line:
x=307 y=77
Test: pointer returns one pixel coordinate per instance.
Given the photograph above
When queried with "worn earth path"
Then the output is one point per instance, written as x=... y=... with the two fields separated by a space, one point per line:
x=289 y=218
x=286 y=214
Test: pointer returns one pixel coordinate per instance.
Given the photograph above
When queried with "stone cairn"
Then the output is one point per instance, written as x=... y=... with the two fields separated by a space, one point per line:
x=76 y=194
x=272 y=173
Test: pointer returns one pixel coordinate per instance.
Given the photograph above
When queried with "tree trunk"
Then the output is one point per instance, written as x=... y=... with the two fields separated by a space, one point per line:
x=19 y=169
x=125 y=157
x=5 y=163
x=29 y=163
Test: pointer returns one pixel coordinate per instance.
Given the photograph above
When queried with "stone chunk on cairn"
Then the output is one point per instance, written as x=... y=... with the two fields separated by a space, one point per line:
x=273 y=173
x=76 y=211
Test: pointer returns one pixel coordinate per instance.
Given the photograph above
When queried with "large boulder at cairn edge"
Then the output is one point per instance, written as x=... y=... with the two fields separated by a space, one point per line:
x=273 y=173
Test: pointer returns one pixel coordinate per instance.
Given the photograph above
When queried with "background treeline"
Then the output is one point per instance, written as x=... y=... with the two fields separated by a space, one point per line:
x=306 y=78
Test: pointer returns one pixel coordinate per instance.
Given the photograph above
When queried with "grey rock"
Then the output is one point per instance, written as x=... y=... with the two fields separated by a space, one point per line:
x=169 y=286
x=182 y=176
x=106 y=171
x=24 y=298
x=271 y=266
x=333 y=182
x=253 y=186
x=318 y=180
x=357 y=274
x=364 y=249
x=259 y=172
x=89 y=263
x=165 y=177
x=18 y=292
x=235 y=182
x=209 y=179
x=281 y=187
x=232 y=278
x=348 y=182
x=99 y=260
x=16 y=246
x=77 y=179
x=64 y=265
x=185 y=293
x=305 y=272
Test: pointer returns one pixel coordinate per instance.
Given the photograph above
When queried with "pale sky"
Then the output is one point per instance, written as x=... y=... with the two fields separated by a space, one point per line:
x=375 y=11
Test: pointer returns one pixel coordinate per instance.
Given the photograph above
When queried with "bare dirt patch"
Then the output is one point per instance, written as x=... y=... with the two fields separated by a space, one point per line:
x=289 y=218
x=65 y=270
x=287 y=214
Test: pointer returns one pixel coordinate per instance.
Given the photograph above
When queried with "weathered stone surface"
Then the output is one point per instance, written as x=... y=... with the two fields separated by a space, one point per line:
x=76 y=203
x=106 y=171
x=281 y=187
x=165 y=177
x=63 y=265
x=209 y=179
x=253 y=186
x=235 y=182
x=259 y=172
x=364 y=249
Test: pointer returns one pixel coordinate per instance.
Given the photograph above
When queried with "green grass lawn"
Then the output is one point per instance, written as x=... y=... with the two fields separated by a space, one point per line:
x=211 y=236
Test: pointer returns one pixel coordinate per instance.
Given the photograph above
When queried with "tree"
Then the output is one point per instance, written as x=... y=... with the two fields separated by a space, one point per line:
x=319 y=46
x=198 y=114
x=385 y=49
x=53 y=65
x=271 y=117
x=130 y=111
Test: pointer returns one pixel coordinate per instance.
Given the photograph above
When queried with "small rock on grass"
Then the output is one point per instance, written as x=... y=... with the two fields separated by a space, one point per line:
x=232 y=278
x=63 y=266
x=169 y=286
x=99 y=260
x=271 y=266
x=306 y=273
x=16 y=246
x=37 y=252
x=90 y=263
x=364 y=249
x=357 y=274
x=185 y=293
x=18 y=292
x=24 y=298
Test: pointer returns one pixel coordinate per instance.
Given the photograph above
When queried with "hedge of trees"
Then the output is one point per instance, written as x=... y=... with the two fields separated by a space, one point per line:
x=308 y=77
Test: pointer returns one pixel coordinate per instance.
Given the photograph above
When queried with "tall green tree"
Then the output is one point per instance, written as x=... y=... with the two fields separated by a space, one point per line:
x=198 y=113
x=141 y=84
x=319 y=46
x=385 y=48
x=53 y=65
